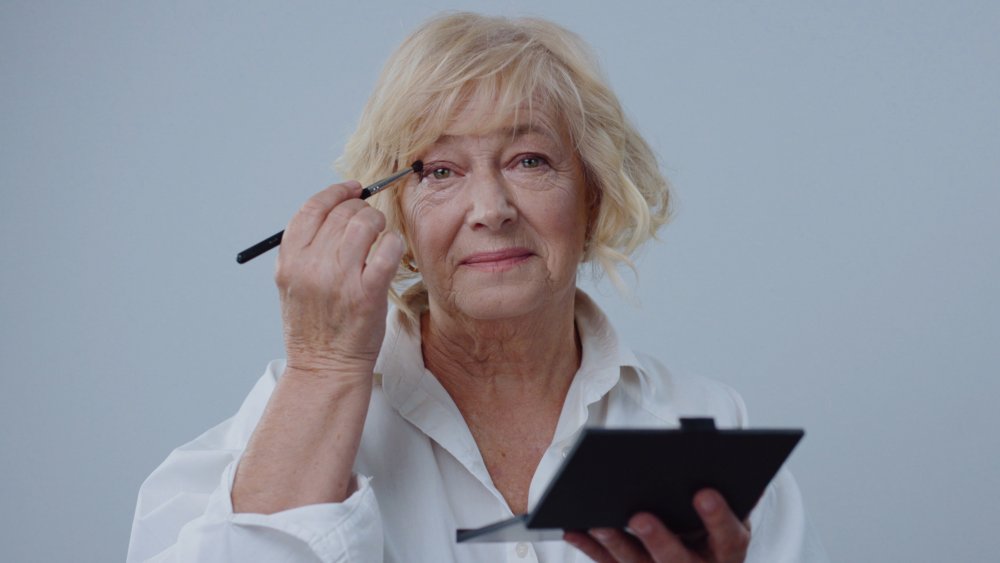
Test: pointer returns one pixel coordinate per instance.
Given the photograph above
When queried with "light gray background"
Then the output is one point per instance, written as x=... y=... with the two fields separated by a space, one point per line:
x=834 y=254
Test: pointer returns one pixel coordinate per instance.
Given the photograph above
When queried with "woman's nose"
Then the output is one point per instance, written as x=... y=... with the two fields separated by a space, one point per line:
x=491 y=206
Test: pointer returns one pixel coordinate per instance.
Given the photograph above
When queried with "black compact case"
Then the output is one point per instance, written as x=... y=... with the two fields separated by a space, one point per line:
x=611 y=474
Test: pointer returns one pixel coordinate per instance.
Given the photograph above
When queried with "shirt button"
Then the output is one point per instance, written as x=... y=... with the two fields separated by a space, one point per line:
x=565 y=451
x=521 y=550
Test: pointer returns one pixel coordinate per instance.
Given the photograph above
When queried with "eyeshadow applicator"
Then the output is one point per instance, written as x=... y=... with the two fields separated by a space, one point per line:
x=275 y=239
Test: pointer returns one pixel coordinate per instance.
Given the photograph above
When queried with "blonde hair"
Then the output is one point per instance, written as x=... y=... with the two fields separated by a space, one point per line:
x=458 y=57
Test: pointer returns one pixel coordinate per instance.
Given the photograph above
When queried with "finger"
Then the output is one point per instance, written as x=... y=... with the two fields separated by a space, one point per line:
x=338 y=219
x=728 y=538
x=306 y=222
x=662 y=544
x=588 y=546
x=383 y=263
x=359 y=234
x=623 y=547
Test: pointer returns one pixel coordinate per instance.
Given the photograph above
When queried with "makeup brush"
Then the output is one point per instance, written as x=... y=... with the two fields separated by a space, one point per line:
x=275 y=239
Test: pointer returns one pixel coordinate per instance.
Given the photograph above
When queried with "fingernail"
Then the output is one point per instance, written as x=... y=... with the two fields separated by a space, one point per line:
x=601 y=533
x=708 y=503
x=642 y=526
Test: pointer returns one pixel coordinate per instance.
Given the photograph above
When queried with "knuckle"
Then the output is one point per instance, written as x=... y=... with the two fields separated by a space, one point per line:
x=378 y=262
x=734 y=543
x=361 y=225
x=743 y=539
x=322 y=202
x=282 y=273
x=377 y=218
x=611 y=540
x=339 y=191
x=281 y=277
x=301 y=277
x=346 y=210
x=313 y=206
x=319 y=204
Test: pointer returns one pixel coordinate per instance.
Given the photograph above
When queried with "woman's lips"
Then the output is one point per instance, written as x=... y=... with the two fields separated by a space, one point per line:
x=497 y=261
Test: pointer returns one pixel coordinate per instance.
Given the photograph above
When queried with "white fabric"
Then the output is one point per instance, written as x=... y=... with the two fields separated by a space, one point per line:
x=420 y=473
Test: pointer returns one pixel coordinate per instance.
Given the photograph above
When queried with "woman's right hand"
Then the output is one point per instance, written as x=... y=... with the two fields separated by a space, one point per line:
x=333 y=305
x=333 y=284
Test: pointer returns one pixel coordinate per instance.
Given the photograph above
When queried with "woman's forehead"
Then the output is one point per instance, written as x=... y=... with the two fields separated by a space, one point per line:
x=510 y=134
x=484 y=119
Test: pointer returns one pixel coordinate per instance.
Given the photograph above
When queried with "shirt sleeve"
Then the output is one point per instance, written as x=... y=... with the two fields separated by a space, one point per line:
x=780 y=532
x=185 y=513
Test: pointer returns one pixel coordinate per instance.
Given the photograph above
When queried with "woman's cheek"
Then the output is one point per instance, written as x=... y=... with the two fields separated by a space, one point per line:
x=429 y=227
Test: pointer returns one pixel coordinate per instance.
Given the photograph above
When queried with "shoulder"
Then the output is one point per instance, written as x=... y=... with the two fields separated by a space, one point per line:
x=670 y=394
x=652 y=392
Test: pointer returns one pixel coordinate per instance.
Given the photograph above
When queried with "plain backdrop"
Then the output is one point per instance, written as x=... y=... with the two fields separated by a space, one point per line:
x=834 y=254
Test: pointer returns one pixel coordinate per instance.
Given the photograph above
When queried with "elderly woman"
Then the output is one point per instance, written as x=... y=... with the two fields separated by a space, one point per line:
x=387 y=429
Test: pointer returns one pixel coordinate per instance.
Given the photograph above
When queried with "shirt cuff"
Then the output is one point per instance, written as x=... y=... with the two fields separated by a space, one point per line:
x=350 y=530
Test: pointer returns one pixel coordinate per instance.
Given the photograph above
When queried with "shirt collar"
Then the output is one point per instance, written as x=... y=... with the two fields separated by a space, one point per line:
x=604 y=358
x=419 y=398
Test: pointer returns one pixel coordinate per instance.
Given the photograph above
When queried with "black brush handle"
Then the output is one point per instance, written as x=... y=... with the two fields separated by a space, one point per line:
x=260 y=248
x=275 y=239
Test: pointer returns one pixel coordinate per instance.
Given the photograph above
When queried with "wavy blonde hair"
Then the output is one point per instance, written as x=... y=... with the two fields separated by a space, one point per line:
x=455 y=58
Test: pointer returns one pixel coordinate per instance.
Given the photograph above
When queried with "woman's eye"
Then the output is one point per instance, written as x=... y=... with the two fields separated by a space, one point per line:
x=441 y=173
x=531 y=162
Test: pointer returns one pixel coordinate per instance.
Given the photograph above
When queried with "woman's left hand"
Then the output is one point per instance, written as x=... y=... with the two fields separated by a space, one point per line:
x=727 y=540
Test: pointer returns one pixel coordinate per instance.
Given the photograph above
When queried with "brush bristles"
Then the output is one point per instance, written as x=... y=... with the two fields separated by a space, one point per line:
x=418 y=166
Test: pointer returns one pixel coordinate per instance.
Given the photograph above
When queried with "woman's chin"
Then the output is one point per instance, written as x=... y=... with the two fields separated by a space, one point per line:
x=503 y=302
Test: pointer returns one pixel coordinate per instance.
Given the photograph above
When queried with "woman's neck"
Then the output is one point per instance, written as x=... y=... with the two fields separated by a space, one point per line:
x=501 y=360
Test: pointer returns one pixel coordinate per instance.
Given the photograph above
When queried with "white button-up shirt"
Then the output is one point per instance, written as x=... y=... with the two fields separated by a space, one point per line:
x=420 y=474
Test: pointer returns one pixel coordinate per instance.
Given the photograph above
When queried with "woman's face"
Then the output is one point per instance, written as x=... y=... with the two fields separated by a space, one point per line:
x=498 y=221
